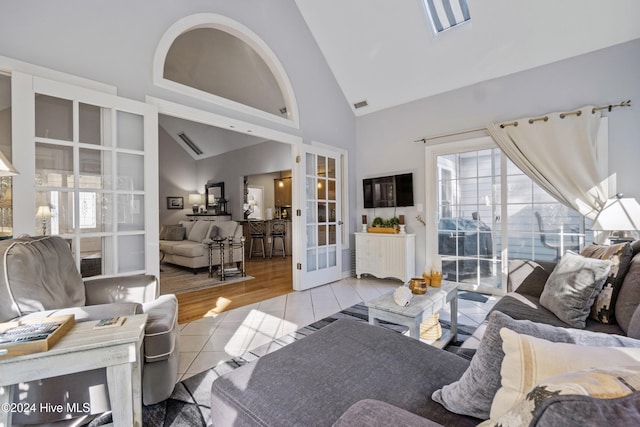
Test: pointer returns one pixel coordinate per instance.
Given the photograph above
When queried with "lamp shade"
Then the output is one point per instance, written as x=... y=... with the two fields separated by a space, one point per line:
x=43 y=212
x=195 y=199
x=6 y=168
x=618 y=214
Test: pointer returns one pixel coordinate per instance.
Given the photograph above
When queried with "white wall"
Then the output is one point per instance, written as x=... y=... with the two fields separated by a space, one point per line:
x=385 y=139
x=177 y=178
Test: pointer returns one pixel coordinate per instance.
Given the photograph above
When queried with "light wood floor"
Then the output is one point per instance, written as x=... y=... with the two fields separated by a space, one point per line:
x=272 y=278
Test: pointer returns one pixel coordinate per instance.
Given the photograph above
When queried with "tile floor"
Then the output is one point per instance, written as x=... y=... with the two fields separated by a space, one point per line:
x=208 y=341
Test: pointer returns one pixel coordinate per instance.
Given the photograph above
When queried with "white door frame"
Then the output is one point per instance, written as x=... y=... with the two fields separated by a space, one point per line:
x=24 y=88
x=304 y=279
x=217 y=120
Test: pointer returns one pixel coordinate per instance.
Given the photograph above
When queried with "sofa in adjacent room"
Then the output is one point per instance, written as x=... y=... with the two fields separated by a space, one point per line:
x=185 y=243
x=351 y=373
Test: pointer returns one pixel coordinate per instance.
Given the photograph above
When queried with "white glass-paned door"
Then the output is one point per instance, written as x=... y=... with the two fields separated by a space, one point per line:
x=489 y=212
x=320 y=183
x=95 y=177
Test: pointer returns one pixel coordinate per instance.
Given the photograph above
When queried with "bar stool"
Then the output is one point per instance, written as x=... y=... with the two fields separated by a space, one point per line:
x=278 y=231
x=257 y=231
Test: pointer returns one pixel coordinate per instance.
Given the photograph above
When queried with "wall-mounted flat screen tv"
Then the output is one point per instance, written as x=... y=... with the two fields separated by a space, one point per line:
x=388 y=191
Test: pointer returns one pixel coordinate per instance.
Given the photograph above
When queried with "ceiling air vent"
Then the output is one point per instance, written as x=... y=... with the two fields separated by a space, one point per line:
x=361 y=104
x=183 y=136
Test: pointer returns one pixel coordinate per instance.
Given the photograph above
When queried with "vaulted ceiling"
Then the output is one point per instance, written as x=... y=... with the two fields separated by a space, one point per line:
x=384 y=52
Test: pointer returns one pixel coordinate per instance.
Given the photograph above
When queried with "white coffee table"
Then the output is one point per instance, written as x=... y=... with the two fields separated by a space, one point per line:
x=82 y=349
x=420 y=309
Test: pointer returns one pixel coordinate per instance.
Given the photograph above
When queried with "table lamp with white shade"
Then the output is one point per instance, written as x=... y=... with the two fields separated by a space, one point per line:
x=44 y=213
x=195 y=200
x=621 y=216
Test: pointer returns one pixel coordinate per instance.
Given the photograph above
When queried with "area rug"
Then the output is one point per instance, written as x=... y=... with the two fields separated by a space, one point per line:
x=189 y=403
x=473 y=296
x=178 y=280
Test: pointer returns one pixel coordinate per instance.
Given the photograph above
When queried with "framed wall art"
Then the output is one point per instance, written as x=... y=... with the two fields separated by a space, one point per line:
x=175 y=202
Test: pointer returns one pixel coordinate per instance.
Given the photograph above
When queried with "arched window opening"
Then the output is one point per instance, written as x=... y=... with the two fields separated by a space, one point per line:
x=214 y=58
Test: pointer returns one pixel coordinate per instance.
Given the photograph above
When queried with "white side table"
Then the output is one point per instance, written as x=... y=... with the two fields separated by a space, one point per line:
x=82 y=349
x=420 y=309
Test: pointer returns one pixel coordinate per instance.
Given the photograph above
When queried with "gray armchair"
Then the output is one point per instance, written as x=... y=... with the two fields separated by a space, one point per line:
x=38 y=277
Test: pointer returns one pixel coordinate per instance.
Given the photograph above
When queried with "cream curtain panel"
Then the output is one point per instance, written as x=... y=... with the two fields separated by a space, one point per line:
x=559 y=152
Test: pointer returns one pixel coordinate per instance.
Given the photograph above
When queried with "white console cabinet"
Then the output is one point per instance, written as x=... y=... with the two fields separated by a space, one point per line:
x=386 y=255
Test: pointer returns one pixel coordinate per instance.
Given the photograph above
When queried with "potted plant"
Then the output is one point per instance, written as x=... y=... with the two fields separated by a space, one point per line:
x=380 y=225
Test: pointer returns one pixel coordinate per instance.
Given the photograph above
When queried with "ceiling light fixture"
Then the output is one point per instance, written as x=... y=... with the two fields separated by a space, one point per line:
x=183 y=136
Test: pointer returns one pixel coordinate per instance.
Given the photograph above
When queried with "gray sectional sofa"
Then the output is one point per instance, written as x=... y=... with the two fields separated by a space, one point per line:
x=354 y=374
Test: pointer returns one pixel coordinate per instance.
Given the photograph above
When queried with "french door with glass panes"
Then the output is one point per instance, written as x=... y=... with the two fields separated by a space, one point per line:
x=485 y=212
x=94 y=176
x=319 y=185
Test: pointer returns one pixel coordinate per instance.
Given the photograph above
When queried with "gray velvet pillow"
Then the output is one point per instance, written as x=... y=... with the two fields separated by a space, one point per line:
x=473 y=393
x=576 y=410
x=634 y=325
x=175 y=233
x=629 y=296
x=573 y=286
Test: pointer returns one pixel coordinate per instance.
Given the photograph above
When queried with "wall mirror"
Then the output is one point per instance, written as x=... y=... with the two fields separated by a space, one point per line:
x=214 y=194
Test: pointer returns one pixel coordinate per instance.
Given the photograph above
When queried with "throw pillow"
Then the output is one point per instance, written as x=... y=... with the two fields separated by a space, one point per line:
x=628 y=299
x=572 y=287
x=175 y=233
x=227 y=228
x=598 y=383
x=603 y=309
x=473 y=393
x=199 y=231
x=163 y=232
x=634 y=324
x=213 y=232
x=529 y=360
x=188 y=225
